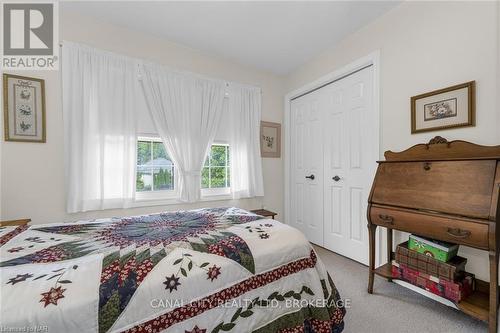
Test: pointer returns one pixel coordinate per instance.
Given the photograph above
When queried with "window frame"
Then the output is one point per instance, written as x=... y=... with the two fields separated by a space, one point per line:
x=218 y=191
x=172 y=197
x=154 y=194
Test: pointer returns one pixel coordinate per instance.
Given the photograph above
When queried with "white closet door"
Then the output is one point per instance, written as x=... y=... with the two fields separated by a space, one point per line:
x=349 y=163
x=307 y=166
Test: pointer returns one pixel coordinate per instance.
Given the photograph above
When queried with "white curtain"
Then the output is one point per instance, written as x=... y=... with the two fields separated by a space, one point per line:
x=244 y=115
x=99 y=104
x=186 y=110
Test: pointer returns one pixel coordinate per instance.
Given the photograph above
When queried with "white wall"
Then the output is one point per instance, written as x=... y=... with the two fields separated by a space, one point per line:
x=32 y=174
x=425 y=46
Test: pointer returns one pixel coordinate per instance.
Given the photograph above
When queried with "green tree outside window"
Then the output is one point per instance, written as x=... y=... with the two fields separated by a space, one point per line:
x=215 y=173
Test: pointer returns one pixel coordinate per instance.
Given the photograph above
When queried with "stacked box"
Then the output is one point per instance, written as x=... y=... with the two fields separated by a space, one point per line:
x=438 y=250
x=452 y=270
x=454 y=291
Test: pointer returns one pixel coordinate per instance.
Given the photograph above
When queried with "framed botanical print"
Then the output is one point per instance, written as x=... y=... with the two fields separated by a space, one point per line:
x=24 y=108
x=270 y=139
x=443 y=109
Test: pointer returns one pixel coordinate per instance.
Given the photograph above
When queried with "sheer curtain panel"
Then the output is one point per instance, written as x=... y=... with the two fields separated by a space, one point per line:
x=244 y=115
x=99 y=104
x=186 y=110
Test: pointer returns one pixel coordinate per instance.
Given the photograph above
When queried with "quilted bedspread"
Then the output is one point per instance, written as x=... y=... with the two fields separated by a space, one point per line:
x=207 y=270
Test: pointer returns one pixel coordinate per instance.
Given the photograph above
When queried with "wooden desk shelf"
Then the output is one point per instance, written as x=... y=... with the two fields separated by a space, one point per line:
x=476 y=305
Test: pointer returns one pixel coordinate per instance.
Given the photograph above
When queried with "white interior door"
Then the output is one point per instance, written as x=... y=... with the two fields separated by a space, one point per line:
x=307 y=166
x=350 y=146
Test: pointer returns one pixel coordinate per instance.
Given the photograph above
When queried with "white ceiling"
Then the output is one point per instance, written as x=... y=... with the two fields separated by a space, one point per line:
x=272 y=36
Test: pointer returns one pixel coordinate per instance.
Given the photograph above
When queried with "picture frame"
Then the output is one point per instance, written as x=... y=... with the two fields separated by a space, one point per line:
x=24 y=108
x=270 y=139
x=445 y=108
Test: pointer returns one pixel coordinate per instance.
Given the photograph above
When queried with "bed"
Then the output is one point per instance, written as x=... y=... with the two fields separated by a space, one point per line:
x=207 y=270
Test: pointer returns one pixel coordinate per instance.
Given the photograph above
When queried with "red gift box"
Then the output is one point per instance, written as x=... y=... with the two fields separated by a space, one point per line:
x=453 y=290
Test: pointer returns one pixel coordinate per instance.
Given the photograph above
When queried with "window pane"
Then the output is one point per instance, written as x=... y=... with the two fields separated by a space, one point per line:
x=228 y=177
x=163 y=178
x=143 y=152
x=218 y=177
x=205 y=182
x=215 y=173
x=144 y=180
x=160 y=156
x=218 y=156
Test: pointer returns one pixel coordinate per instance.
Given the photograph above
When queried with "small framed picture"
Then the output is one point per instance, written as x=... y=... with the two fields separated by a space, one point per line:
x=443 y=109
x=24 y=108
x=270 y=139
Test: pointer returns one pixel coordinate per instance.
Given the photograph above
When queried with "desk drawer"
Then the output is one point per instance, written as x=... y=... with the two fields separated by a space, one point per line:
x=457 y=231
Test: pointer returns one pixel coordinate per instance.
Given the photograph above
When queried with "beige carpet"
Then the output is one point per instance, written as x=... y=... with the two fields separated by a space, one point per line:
x=391 y=308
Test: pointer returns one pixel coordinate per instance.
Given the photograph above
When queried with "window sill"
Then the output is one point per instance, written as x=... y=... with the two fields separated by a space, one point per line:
x=211 y=192
x=216 y=197
x=147 y=202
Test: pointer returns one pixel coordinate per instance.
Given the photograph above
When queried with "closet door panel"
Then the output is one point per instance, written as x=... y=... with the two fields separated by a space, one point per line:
x=307 y=167
x=348 y=146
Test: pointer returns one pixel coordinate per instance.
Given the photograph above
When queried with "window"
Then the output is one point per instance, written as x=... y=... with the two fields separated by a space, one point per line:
x=155 y=176
x=155 y=169
x=216 y=172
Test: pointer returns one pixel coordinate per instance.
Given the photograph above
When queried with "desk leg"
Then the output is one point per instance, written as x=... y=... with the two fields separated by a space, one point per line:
x=371 y=238
x=389 y=248
x=493 y=316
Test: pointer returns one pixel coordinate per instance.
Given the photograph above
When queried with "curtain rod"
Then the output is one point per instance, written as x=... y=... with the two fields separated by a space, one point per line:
x=61 y=44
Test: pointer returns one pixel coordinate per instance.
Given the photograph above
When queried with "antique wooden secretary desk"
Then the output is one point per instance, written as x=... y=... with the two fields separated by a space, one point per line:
x=447 y=191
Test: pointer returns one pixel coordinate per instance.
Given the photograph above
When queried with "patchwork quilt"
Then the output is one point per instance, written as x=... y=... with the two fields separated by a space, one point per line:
x=199 y=271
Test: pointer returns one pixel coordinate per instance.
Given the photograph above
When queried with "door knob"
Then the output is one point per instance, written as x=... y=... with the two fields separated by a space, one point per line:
x=336 y=178
x=311 y=177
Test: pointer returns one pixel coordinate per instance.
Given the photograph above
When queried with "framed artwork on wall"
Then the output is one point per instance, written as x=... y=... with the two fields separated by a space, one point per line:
x=444 y=108
x=270 y=139
x=24 y=108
